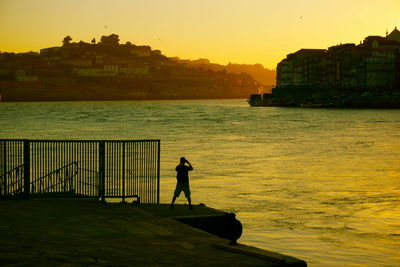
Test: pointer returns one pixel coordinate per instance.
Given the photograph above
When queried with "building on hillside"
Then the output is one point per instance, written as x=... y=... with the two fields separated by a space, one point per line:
x=21 y=76
x=106 y=71
x=136 y=71
x=394 y=35
x=300 y=68
x=50 y=51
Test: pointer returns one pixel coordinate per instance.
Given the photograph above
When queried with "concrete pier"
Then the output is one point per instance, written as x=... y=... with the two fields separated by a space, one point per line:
x=54 y=232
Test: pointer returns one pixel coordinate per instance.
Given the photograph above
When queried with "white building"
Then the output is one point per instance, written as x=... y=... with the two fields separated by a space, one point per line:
x=106 y=71
x=22 y=77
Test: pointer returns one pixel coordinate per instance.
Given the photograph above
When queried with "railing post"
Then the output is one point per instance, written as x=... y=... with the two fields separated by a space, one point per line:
x=158 y=173
x=3 y=169
x=102 y=163
x=123 y=172
x=27 y=168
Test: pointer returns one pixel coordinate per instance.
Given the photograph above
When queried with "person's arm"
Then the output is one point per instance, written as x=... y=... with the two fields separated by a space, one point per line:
x=190 y=165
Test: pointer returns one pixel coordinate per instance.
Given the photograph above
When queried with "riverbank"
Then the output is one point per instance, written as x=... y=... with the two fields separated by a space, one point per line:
x=84 y=232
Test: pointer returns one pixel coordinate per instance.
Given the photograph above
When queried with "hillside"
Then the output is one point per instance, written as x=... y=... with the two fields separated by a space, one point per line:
x=108 y=70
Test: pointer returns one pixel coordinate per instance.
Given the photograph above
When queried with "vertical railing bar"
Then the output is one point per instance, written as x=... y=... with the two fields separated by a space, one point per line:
x=47 y=166
x=108 y=148
x=143 y=178
x=154 y=171
x=11 y=162
x=92 y=167
x=117 y=162
x=134 y=169
x=27 y=168
x=68 y=167
x=75 y=158
x=123 y=172
x=149 y=153
x=102 y=170
x=53 y=165
x=145 y=171
x=153 y=181
x=149 y=157
x=13 y=165
x=84 y=178
x=112 y=169
x=4 y=168
x=38 y=167
x=41 y=163
x=84 y=163
x=111 y=173
x=117 y=177
x=34 y=165
x=65 y=166
x=79 y=185
x=146 y=145
x=57 y=166
x=15 y=161
x=128 y=169
x=95 y=164
x=60 y=164
x=108 y=158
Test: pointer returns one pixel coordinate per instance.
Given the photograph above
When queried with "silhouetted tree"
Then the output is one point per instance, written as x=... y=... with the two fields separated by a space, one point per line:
x=111 y=40
x=94 y=41
x=67 y=40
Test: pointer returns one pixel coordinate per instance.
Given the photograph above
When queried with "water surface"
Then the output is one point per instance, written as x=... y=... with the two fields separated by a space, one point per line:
x=319 y=184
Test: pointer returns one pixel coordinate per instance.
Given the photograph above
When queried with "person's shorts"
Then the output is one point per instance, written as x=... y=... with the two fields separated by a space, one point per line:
x=182 y=186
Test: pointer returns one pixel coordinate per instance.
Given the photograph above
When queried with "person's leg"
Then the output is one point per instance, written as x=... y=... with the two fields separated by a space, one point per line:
x=190 y=203
x=186 y=190
x=173 y=201
x=177 y=192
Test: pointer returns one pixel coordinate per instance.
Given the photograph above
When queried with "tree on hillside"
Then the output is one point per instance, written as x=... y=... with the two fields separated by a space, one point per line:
x=94 y=41
x=67 y=40
x=111 y=40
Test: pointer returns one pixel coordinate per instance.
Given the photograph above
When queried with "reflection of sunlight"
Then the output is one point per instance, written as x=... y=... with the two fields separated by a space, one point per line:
x=297 y=189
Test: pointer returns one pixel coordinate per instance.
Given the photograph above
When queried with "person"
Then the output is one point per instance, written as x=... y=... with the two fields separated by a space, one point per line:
x=182 y=183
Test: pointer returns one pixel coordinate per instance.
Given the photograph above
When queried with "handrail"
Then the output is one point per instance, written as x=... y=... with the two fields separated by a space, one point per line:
x=81 y=140
x=22 y=165
x=58 y=170
x=55 y=172
x=18 y=181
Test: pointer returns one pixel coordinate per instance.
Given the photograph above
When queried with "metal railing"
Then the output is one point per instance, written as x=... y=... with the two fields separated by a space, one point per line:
x=85 y=168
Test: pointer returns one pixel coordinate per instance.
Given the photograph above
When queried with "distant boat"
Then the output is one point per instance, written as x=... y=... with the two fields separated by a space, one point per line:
x=312 y=105
x=265 y=100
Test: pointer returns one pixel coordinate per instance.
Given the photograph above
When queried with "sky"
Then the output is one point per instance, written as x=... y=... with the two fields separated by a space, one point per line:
x=224 y=31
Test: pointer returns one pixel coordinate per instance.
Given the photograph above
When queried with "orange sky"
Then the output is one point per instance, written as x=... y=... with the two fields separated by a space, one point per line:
x=239 y=31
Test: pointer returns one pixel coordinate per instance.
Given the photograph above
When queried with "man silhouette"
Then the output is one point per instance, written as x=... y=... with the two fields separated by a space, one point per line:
x=182 y=183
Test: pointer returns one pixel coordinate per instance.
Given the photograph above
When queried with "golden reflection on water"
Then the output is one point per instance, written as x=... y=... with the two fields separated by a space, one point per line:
x=319 y=184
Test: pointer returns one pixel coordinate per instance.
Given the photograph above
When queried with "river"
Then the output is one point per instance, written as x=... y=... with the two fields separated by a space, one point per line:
x=319 y=184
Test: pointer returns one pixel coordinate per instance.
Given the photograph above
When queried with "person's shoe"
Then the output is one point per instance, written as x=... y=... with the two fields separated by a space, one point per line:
x=191 y=207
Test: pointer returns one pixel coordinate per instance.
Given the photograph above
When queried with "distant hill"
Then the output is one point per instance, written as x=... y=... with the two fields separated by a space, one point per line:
x=264 y=76
x=108 y=70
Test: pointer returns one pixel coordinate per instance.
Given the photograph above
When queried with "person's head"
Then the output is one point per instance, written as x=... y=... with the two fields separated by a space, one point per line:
x=182 y=160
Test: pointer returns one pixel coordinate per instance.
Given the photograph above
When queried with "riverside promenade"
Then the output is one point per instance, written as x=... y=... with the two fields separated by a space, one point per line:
x=83 y=232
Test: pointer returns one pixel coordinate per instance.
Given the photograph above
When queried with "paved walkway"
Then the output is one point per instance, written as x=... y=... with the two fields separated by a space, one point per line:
x=67 y=232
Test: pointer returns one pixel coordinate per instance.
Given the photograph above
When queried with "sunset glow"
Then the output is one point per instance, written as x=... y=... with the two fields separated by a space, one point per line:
x=254 y=31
